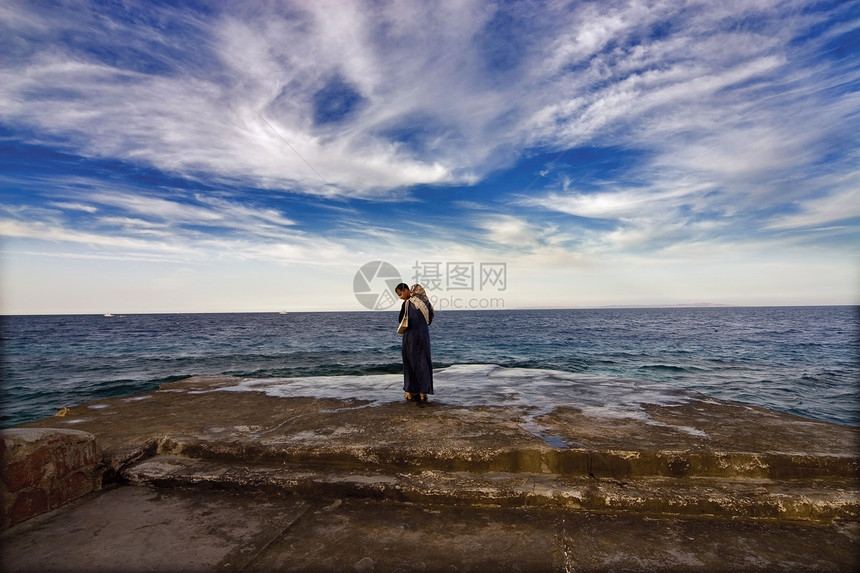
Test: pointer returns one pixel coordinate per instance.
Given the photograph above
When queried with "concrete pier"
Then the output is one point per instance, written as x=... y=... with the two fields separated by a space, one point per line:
x=218 y=479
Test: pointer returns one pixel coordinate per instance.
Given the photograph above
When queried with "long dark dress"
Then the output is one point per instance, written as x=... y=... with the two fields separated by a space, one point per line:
x=417 y=364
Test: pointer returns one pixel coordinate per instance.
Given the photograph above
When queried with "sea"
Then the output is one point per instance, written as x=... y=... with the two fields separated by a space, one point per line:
x=800 y=360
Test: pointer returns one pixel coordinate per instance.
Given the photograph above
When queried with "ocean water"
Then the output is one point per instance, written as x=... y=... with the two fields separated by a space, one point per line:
x=802 y=360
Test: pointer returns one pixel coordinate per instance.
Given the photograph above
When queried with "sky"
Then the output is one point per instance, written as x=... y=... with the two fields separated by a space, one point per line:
x=306 y=156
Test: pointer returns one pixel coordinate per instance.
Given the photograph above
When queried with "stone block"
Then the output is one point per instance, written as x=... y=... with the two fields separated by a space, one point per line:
x=42 y=468
x=26 y=471
x=26 y=504
x=73 y=486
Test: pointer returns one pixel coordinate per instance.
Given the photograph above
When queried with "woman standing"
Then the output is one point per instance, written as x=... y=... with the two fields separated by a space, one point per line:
x=416 y=314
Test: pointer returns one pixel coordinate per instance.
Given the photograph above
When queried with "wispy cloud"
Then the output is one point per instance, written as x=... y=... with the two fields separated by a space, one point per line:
x=74 y=207
x=323 y=131
x=829 y=210
x=60 y=234
x=419 y=103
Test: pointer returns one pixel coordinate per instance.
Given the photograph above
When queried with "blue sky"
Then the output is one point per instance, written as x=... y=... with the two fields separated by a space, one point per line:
x=253 y=156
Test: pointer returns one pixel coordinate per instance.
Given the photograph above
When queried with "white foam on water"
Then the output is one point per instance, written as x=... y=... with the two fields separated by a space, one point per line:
x=98 y=406
x=537 y=391
x=485 y=385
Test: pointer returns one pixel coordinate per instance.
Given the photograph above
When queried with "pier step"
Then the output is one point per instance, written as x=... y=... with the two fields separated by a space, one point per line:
x=573 y=462
x=817 y=499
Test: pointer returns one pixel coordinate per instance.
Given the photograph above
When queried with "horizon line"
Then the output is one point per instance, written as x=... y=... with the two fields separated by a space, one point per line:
x=577 y=307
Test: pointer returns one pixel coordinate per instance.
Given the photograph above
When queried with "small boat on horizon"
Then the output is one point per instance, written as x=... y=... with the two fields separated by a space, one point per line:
x=108 y=315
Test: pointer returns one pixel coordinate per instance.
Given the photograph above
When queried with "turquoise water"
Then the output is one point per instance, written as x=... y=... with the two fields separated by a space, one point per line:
x=801 y=360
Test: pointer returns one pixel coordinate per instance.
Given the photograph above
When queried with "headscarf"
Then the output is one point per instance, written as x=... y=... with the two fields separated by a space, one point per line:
x=420 y=301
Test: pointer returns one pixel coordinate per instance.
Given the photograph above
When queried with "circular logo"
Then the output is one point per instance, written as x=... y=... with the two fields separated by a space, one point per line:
x=374 y=284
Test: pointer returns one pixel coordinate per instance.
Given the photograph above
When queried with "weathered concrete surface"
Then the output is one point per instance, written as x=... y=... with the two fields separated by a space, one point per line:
x=41 y=469
x=705 y=457
x=245 y=481
x=134 y=529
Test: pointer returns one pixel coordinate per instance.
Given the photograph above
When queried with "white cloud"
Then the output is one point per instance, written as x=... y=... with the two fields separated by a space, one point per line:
x=139 y=241
x=738 y=124
x=126 y=220
x=658 y=200
x=58 y=234
x=511 y=231
x=414 y=67
x=74 y=207
x=821 y=211
x=154 y=207
x=596 y=205
x=275 y=63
